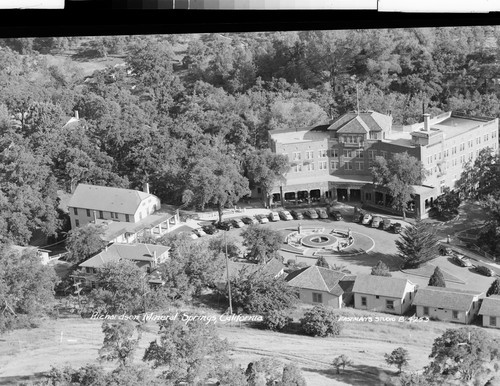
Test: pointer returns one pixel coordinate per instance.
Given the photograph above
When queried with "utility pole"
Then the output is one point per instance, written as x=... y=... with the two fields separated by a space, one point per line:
x=228 y=278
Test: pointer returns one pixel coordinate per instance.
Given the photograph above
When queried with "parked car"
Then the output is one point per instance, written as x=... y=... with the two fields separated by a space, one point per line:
x=396 y=227
x=296 y=215
x=285 y=215
x=262 y=219
x=486 y=271
x=310 y=213
x=199 y=232
x=249 y=220
x=274 y=216
x=237 y=223
x=336 y=215
x=367 y=218
x=358 y=216
x=209 y=229
x=461 y=260
x=386 y=224
x=322 y=213
x=377 y=221
x=445 y=251
x=224 y=225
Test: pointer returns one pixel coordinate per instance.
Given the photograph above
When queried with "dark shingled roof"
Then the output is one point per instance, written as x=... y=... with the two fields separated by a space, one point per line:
x=380 y=285
x=490 y=306
x=318 y=279
x=448 y=298
x=372 y=120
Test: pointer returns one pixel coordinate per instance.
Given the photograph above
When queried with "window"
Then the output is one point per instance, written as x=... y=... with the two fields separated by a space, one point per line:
x=359 y=165
x=127 y=218
x=334 y=165
x=371 y=154
x=88 y=212
x=75 y=211
x=435 y=157
x=377 y=297
x=363 y=301
x=298 y=168
x=101 y=215
x=309 y=154
x=112 y=214
x=471 y=154
x=493 y=320
x=453 y=150
x=296 y=156
x=359 y=153
x=462 y=159
x=322 y=153
x=348 y=166
x=368 y=196
x=335 y=153
x=310 y=166
x=322 y=165
x=383 y=154
x=77 y=223
x=259 y=190
x=389 y=304
x=470 y=143
x=429 y=160
x=426 y=311
x=317 y=298
x=454 y=314
x=462 y=146
x=347 y=153
x=493 y=134
x=373 y=135
x=486 y=137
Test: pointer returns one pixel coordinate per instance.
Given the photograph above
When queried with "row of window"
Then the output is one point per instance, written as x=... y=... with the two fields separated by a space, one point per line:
x=322 y=165
x=454 y=314
x=335 y=153
x=462 y=159
x=334 y=165
x=470 y=143
x=389 y=304
x=309 y=154
x=113 y=215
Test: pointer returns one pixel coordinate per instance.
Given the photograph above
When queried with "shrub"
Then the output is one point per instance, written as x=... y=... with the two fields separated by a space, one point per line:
x=321 y=322
x=276 y=320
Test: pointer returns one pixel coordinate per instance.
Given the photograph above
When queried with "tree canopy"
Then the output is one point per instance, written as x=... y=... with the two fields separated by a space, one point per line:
x=417 y=244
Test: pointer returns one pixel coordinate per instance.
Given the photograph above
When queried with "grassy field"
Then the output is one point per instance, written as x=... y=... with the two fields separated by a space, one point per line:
x=74 y=341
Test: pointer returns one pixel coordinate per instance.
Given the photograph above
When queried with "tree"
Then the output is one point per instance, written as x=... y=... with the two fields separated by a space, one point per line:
x=218 y=243
x=437 y=279
x=399 y=357
x=412 y=379
x=417 y=244
x=26 y=289
x=276 y=320
x=341 y=361
x=381 y=269
x=321 y=321
x=265 y=169
x=462 y=354
x=494 y=288
x=89 y=375
x=292 y=376
x=216 y=179
x=85 y=241
x=258 y=292
x=190 y=352
x=119 y=342
x=321 y=262
x=397 y=175
x=481 y=177
x=263 y=243
x=448 y=203
x=263 y=372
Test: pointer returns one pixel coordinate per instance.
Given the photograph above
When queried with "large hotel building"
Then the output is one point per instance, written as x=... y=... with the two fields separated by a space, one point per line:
x=332 y=161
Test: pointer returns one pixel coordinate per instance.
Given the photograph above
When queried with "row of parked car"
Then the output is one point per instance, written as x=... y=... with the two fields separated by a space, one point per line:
x=380 y=222
x=463 y=261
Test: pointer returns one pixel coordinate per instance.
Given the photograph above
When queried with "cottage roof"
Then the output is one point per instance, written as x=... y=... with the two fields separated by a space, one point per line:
x=380 y=285
x=448 y=298
x=116 y=252
x=318 y=279
x=107 y=198
x=490 y=306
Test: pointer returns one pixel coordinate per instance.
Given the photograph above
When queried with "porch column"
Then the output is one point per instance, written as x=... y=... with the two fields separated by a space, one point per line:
x=159 y=228
x=168 y=225
x=383 y=198
x=348 y=194
x=296 y=197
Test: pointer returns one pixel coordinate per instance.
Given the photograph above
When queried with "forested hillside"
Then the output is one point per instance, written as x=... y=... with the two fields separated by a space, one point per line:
x=181 y=111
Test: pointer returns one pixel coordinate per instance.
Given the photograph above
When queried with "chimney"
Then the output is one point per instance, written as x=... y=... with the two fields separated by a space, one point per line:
x=76 y=115
x=145 y=187
x=427 y=125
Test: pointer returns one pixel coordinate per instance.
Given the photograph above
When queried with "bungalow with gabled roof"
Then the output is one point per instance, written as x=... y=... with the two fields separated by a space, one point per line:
x=383 y=294
x=146 y=256
x=490 y=311
x=447 y=304
x=319 y=285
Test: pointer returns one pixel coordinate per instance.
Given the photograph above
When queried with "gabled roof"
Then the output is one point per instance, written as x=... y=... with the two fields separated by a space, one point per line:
x=273 y=267
x=490 y=306
x=318 y=279
x=372 y=121
x=380 y=285
x=107 y=198
x=448 y=298
x=355 y=126
x=116 y=252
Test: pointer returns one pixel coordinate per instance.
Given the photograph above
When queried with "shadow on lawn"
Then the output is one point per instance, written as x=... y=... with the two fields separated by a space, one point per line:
x=361 y=375
x=22 y=379
x=370 y=259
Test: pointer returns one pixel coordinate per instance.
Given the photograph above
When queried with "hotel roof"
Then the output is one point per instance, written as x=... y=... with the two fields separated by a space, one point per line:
x=302 y=135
